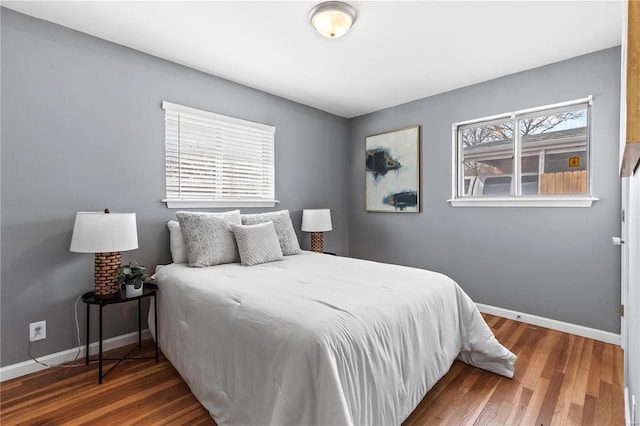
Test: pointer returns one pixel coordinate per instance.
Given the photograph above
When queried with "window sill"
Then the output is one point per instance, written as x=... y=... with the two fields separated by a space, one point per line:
x=198 y=204
x=523 y=202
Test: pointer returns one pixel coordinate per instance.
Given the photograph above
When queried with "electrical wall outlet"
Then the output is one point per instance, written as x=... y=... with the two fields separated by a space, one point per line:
x=37 y=331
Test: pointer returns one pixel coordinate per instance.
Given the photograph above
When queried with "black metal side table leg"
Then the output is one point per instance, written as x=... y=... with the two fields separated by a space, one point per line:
x=100 y=350
x=86 y=348
x=155 y=321
x=140 y=323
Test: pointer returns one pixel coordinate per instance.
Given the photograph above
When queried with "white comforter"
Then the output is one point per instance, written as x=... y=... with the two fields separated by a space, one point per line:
x=318 y=339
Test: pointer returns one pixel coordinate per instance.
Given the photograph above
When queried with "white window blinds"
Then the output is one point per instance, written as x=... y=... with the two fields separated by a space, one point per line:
x=217 y=161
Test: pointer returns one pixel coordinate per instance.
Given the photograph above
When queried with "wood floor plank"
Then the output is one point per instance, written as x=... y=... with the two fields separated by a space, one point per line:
x=554 y=359
x=454 y=378
x=519 y=409
x=565 y=341
x=495 y=410
x=575 y=415
x=514 y=332
x=560 y=379
x=603 y=407
x=488 y=414
x=538 y=395
x=571 y=370
x=537 y=362
x=606 y=370
x=550 y=399
x=468 y=409
x=499 y=323
x=589 y=410
x=593 y=382
x=442 y=413
x=492 y=321
x=580 y=388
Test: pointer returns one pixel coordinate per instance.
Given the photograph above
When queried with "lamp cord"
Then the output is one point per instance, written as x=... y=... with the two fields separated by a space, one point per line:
x=68 y=364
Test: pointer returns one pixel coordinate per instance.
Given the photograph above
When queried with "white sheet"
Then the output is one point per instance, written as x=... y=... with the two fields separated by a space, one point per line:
x=318 y=339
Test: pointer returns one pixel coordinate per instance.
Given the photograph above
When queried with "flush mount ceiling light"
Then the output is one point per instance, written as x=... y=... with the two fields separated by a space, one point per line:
x=332 y=19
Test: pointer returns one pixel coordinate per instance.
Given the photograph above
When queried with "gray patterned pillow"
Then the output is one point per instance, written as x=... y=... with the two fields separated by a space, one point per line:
x=283 y=226
x=257 y=243
x=209 y=237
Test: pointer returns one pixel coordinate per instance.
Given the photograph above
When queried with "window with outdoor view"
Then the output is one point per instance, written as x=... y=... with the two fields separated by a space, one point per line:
x=541 y=153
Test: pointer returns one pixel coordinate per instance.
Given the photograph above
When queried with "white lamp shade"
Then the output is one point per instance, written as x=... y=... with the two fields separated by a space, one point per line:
x=316 y=220
x=97 y=232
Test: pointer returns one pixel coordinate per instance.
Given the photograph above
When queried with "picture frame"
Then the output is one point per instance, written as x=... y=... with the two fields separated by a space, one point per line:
x=392 y=171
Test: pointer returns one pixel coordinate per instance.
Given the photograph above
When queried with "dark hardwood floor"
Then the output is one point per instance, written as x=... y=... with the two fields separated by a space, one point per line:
x=560 y=379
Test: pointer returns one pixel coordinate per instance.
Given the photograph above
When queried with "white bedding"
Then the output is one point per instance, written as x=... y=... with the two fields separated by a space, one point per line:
x=318 y=339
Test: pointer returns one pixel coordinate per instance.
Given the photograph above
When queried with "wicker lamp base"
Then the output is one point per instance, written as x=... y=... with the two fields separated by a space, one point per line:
x=316 y=242
x=106 y=266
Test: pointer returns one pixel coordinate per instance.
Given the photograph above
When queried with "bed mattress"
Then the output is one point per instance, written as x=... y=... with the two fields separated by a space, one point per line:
x=317 y=339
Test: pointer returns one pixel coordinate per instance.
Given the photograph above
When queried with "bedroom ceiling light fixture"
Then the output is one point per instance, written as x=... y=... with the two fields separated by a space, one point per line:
x=107 y=235
x=332 y=19
x=316 y=221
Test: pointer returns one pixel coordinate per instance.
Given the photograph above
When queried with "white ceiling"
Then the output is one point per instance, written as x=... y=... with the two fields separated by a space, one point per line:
x=396 y=52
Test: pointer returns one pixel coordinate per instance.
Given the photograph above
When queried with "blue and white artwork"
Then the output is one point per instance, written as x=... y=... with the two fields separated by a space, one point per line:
x=392 y=162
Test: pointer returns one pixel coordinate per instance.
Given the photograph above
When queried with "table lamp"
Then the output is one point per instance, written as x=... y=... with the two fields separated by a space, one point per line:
x=107 y=235
x=316 y=221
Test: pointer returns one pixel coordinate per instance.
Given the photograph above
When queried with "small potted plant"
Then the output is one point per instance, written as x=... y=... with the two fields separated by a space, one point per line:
x=133 y=276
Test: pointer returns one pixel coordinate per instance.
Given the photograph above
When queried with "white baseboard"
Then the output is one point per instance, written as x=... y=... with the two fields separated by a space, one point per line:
x=23 y=368
x=566 y=327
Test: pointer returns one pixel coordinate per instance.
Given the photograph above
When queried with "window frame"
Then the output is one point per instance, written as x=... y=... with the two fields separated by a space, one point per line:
x=516 y=199
x=266 y=135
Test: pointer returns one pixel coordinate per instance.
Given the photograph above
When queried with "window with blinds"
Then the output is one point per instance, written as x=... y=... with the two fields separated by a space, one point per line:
x=217 y=161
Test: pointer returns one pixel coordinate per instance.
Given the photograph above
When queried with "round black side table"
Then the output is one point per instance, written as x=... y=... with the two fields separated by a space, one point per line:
x=90 y=299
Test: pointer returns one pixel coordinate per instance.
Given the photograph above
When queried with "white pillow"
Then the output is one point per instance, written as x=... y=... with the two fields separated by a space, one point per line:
x=176 y=243
x=257 y=243
x=209 y=237
x=283 y=226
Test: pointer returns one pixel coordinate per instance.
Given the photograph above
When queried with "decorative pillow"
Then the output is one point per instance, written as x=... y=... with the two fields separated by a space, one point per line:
x=209 y=238
x=257 y=243
x=176 y=243
x=283 y=226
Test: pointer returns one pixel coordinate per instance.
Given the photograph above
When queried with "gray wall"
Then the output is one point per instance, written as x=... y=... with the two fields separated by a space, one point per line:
x=553 y=262
x=82 y=129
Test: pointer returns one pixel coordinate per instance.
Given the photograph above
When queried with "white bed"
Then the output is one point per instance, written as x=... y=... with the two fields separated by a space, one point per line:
x=317 y=339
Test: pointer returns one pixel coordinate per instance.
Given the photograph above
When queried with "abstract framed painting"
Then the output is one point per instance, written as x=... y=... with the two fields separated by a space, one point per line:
x=393 y=171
